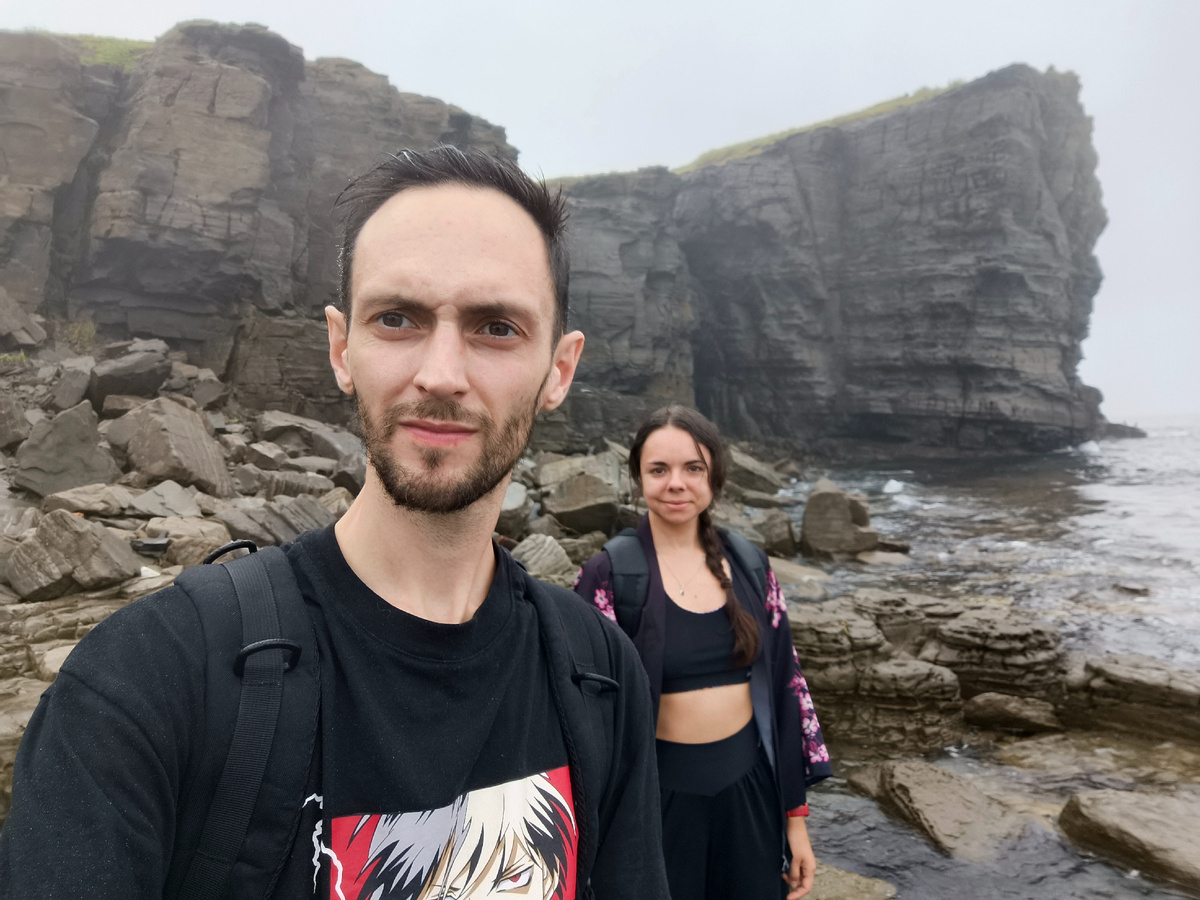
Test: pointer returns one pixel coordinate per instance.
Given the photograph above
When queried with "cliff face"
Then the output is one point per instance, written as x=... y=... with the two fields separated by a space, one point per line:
x=922 y=276
x=190 y=199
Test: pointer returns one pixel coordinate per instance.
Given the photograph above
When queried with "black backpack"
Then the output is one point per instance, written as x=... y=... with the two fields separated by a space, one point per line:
x=271 y=665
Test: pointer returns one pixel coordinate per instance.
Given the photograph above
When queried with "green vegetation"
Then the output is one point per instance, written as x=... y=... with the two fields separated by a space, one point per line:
x=754 y=147
x=13 y=359
x=81 y=333
x=119 y=52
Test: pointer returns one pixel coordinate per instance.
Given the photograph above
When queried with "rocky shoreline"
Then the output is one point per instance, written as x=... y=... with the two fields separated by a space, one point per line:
x=124 y=464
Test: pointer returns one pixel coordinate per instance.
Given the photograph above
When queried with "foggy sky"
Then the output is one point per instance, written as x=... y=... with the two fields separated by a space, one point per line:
x=597 y=87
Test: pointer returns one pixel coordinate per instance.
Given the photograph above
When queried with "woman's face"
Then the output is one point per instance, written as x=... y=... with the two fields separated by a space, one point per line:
x=674 y=473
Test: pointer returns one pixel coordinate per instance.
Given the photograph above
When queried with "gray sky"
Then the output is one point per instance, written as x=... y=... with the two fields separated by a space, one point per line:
x=596 y=87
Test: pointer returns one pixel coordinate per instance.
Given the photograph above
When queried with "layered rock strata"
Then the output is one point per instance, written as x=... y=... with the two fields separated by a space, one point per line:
x=923 y=275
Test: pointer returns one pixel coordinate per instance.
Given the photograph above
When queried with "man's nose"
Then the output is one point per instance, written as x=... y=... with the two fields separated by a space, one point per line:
x=443 y=368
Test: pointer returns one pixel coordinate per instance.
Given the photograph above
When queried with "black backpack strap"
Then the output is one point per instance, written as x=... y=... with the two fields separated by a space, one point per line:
x=630 y=578
x=276 y=637
x=751 y=560
x=576 y=642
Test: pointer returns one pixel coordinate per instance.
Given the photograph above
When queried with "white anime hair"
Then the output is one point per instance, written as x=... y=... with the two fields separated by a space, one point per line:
x=409 y=849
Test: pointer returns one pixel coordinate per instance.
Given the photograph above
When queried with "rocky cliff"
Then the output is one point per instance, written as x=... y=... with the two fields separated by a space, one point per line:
x=924 y=275
x=919 y=276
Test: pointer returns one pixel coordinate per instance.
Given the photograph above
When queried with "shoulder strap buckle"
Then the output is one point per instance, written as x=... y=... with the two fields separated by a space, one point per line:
x=289 y=662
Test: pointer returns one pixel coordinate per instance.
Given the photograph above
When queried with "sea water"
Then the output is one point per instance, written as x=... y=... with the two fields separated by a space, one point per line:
x=1104 y=541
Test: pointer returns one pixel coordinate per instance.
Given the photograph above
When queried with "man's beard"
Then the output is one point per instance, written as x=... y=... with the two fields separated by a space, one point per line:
x=422 y=491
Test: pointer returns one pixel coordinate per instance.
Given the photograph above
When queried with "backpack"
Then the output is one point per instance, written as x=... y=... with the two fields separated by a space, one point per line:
x=631 y=573
x=271 y=665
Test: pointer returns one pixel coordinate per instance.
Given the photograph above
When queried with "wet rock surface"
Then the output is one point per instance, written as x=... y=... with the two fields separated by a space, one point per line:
x=1156 y=834
x=853 y=833
x=1135 y=694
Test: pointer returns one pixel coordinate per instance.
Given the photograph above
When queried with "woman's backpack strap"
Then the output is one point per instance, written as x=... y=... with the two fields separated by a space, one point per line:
x=751 y=559
x=630 y=578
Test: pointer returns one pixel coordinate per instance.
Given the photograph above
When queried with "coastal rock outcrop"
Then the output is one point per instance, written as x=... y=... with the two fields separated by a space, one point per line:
x=918 y=275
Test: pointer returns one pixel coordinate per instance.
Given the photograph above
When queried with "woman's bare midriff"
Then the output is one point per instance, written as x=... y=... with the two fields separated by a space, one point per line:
x=704 y=716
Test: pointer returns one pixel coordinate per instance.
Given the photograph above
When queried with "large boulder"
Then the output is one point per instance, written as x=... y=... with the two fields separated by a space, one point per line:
x=583 y=503
x=545 y=559
x=833 y=526
x=1157 y=833
x=64 y=452
x=165 y=440
x=746 y=471
x=139 y=373
x=67 y=552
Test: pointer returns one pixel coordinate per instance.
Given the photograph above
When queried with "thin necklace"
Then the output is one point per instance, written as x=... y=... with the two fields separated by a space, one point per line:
x=682 y=584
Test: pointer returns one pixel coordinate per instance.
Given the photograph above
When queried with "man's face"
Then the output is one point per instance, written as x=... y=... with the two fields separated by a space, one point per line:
x=448 y=350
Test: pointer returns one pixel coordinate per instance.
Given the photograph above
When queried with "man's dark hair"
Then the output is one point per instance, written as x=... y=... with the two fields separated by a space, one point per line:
x=445 y=164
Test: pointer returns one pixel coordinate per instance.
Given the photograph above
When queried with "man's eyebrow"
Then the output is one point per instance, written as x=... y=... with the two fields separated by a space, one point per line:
x=487 y=309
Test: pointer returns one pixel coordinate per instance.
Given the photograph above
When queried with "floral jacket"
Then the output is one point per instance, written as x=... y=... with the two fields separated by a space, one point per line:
x=784 y=710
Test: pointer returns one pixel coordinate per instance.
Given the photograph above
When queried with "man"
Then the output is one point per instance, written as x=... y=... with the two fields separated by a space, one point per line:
x=444 y=710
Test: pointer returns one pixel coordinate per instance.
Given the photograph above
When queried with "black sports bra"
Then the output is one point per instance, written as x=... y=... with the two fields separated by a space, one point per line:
x=699 y=651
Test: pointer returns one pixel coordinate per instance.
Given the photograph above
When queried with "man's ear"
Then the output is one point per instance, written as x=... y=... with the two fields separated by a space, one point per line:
x=339 y=350
x=562 y=373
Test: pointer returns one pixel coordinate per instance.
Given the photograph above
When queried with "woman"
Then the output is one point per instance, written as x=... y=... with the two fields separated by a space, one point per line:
x=738 y=739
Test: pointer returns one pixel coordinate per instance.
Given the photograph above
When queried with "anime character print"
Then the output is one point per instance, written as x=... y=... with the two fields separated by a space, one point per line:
x=510 y=841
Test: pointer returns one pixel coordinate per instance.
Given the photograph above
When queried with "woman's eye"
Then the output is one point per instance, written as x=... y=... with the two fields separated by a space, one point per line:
x=499 y=329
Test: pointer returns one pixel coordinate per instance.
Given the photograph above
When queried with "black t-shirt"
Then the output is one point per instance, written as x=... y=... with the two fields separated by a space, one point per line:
x=442 y=759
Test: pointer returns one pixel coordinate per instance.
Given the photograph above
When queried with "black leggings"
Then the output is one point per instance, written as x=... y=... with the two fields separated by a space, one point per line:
x=722 y=836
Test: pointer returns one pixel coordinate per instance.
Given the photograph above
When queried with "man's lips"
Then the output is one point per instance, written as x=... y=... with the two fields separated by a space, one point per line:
x=437 y=433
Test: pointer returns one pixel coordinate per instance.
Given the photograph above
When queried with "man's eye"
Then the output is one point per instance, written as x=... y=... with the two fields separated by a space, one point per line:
x=499 y=329
x=394 y=320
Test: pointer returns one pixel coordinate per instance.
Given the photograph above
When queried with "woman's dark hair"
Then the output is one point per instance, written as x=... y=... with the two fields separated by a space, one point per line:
x=705 y=434
x=446 y=164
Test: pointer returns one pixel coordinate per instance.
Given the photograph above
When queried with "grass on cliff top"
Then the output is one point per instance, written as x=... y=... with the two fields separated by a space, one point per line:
x=756 y=146
x=120 y=52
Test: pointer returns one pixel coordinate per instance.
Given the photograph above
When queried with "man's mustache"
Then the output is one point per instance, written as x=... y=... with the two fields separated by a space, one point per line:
x=433 y=409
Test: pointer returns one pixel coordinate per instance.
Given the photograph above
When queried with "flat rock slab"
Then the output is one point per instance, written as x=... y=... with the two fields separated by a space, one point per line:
x=957 y=817
x=838 y=884
x=1156 y=833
